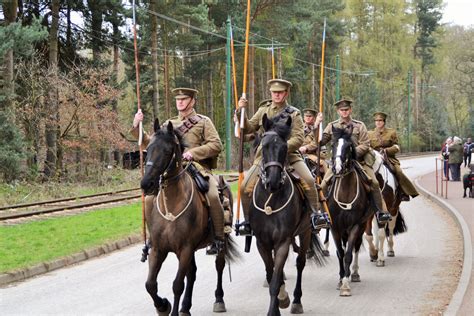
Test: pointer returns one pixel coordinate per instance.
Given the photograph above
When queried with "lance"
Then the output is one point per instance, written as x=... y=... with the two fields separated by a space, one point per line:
x=140 y=129
x=321 y=93
x=242 y=112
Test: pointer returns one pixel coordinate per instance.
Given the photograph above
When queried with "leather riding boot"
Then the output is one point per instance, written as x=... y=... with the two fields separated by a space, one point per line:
x=381 y=213
x=319 y=219
x=243 y=228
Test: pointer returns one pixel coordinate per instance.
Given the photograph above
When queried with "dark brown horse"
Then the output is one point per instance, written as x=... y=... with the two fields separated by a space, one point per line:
x=391 y=195
x=179 y=222
x=349 y=206
x=277 y=214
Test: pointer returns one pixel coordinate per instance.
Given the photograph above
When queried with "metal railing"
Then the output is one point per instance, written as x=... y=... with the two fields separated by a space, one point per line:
x=442 y=177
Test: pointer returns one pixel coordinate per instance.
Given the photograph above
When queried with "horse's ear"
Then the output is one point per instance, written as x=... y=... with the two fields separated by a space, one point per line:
x=170 y=127
x=289 y=121
x=266 y=122
x=156 y=125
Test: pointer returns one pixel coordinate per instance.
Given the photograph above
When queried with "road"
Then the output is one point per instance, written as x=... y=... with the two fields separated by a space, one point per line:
x=415 y=281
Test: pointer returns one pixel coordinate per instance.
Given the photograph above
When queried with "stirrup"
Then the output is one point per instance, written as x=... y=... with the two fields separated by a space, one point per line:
x=319 y=221
x=215 y=248
x=383 y=218
x=243 y=229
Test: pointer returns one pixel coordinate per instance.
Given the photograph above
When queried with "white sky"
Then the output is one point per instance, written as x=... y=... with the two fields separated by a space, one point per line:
x=460 y=12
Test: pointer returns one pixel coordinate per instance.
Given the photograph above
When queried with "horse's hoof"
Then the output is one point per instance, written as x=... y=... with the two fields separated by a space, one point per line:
x=345 y=292
x=326 y=253
x=219 y=307
x=390 y=253
x=296 y=309
x=380 y=263
x=166 y=310
x=265 y=283
x=373 y=258
x=355 y=278
x=285 y=302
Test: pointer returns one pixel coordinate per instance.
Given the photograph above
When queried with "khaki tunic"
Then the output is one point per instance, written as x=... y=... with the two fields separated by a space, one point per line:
x=386 y=138
x=359 y=136
x=202 y=139
x=312 y=148
x=297 y=135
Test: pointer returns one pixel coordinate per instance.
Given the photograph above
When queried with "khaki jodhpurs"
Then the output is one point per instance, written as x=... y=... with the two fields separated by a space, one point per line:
x=252 y=176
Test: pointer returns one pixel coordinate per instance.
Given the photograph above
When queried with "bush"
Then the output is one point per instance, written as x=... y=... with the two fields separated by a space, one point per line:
x=11 y=149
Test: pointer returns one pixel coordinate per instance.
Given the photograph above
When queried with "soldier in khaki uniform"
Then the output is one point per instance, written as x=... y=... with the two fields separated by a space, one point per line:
x=204 y=145
x=309 y=148
x=277 y=106
x=385 y=140
x=361 y=139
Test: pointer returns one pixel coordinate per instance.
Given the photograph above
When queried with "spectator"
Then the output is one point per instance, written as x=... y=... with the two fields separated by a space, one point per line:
x=468 y=146
x=455 y=158
x=445 y=155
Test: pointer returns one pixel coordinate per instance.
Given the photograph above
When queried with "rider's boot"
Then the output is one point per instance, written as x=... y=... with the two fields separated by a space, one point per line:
x=318 y=219
x=243 y=228
x=381 y=213
x=404 y=197
x=216 y=246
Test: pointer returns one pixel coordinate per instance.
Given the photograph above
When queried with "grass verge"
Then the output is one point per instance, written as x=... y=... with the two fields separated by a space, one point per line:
x=31 y=243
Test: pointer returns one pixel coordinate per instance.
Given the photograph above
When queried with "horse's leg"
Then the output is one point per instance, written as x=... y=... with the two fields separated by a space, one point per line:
x=369 y=236
x=340 y=255
x=391 y=228
x=219 y=305
x=267 y=257
x=326 y=243
x=155 y=261
x=380 y=245
x=355 y=277
x=305 y=239
x=185 y=257
x=353 y=234
x=188 y=293
x=278 y=295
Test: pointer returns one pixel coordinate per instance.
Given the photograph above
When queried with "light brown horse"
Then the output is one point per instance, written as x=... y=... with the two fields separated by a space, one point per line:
x=388 y=185
x=179 y=222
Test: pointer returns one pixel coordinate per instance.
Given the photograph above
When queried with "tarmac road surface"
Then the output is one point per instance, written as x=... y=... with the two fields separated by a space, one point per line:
x=420 y=279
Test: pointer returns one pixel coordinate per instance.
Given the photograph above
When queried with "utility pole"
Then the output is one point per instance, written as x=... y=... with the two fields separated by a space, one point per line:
x=228 y=80
x=409 y=110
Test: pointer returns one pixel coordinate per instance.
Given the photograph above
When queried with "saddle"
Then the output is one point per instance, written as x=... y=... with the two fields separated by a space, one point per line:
x=202 y=182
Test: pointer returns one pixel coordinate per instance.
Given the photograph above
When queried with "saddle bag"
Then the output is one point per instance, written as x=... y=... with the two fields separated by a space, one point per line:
x=202 y=182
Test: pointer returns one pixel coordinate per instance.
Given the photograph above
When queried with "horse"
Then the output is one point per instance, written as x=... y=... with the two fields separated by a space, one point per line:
x=178 y=223
x=349 y=206
x=277 y=214
x=391 y=195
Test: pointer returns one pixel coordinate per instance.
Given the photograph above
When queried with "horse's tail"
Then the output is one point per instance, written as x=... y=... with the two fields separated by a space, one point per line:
x=231 y=251
x=400 y=225
x=317 y=249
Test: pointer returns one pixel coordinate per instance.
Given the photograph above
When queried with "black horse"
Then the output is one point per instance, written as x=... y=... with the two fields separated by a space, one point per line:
x=348 y=201
x=178 y=223
x=277 y=214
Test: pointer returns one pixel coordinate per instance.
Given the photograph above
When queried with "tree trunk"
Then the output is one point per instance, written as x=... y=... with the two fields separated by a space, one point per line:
x=166 y=71
x=210 y=98
x=10 y=9
x=52 y=123
x=96 y=27
x=116 y=57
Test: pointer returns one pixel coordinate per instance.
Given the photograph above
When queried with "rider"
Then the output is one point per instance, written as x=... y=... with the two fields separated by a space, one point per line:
x=277 y=106
x=361 y=140
x=309 y=147
x=385 y=140
x=204 y=145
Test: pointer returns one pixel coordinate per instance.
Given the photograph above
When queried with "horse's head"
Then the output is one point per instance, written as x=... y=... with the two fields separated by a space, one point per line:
x=343 y=151
x=274 y=151
x=163 y=157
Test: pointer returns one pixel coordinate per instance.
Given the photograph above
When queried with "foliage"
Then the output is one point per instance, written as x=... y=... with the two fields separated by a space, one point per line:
x=21 y=38
x=11 y=148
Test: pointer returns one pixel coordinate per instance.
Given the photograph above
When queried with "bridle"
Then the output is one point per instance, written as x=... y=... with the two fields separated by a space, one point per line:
x=264 y=166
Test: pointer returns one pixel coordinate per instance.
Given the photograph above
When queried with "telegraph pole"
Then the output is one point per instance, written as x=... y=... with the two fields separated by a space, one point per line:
x=409 y=110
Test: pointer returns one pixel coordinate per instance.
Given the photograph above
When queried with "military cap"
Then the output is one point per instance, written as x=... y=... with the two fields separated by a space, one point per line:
x=279 y=84
x=380 y=116
x=182 y=93
x=344 y=103
x=309 y=111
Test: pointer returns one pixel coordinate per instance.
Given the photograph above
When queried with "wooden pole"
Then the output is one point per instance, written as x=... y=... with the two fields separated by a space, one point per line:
x=140 y=132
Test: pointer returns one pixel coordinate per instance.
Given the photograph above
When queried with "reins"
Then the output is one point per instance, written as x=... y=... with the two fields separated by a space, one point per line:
x=337 y=184
x=268 y=209
x=168 y=215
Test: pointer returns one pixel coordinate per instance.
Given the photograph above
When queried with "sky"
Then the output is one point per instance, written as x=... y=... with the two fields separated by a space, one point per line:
x=460 y=12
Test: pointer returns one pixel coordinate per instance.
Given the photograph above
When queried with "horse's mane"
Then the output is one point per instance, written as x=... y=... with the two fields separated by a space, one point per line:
x=346 y=134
